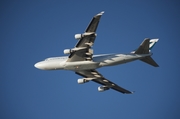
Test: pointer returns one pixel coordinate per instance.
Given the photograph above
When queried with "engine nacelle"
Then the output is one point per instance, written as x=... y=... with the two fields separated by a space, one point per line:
x=67 y=51
x=103 y=88
x=81 y=81
x=78 y=36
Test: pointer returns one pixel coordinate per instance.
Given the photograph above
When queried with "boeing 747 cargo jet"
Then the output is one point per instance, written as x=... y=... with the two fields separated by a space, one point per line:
x=83 y=62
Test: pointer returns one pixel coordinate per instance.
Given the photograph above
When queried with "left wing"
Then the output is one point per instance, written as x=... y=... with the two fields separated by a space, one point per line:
x=82 y=50
x=93 y=75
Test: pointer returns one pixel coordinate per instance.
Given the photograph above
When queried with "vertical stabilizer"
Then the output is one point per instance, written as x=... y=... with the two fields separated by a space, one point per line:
x=145 y=48
x=152 y=43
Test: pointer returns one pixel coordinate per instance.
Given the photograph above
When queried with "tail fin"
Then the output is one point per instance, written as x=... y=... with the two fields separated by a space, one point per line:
x=152 y=43
x=145 y=48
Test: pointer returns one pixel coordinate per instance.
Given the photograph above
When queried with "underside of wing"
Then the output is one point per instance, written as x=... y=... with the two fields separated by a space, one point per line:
x=93 y=75
x=82 y=50
x=94 y=23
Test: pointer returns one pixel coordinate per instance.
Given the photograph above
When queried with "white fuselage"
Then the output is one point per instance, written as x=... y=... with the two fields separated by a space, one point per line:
x=60 y=63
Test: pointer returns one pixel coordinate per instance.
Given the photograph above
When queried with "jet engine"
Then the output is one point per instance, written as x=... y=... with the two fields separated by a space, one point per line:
x=81 y=81
x=79 y=36
x=68 y=51
x=103 y=88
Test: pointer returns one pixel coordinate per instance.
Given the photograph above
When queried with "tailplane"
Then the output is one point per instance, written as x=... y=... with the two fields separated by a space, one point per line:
x=145 y=48
x=149 y=60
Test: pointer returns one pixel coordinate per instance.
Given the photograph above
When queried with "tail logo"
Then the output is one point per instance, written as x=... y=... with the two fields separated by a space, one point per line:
x=152 y=42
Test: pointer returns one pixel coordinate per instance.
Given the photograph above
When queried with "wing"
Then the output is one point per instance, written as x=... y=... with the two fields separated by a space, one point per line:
x=98 y=78
x=82 y=50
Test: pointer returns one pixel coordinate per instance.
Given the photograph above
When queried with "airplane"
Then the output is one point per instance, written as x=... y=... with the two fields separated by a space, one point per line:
x=83 y=62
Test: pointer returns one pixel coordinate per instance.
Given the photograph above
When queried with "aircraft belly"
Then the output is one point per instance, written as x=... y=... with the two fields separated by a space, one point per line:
x=121 y=59
x=81 y=65
x=110 y=62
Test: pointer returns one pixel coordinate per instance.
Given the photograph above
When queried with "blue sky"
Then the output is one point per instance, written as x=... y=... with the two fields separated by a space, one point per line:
x=34 y=30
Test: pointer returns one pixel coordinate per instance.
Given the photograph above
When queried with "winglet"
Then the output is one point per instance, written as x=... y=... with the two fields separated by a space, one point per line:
x=94 y=23
x=101 y=13
x=132 y=92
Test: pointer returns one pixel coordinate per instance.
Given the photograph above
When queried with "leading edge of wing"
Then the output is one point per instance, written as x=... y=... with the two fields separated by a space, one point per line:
x=98 y=78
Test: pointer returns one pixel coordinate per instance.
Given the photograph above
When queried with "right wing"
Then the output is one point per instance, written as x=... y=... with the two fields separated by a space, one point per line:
x=95 y=76
x=86 y=42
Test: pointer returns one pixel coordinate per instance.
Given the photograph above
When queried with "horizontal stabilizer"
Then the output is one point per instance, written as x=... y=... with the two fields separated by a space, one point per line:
x=150 y=61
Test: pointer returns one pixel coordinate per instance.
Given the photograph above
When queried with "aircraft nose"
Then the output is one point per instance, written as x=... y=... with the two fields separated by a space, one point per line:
x=38 y=65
